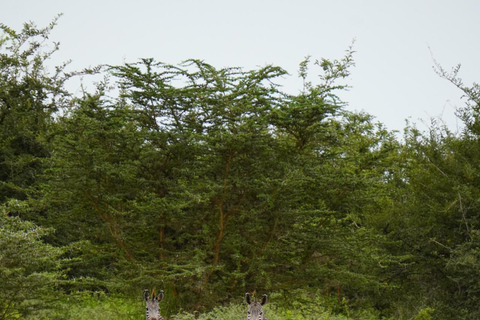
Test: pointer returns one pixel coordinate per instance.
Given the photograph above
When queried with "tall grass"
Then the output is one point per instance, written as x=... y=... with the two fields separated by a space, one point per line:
x=88 y=306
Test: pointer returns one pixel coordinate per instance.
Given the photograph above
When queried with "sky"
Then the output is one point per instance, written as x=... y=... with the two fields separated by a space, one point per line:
x=396 y=43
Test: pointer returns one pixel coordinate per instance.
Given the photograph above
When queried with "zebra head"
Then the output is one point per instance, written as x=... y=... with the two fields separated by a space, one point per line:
x=152 y=308
x=255 y=311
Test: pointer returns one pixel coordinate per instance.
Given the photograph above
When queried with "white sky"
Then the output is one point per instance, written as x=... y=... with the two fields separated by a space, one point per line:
x=393 y=78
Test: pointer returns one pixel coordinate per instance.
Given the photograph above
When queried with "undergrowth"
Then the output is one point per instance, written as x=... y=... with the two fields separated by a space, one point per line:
x=92 y=306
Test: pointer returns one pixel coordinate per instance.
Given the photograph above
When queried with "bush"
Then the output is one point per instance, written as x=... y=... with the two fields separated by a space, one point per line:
x=315 y=310
x=29 y=268
x=424 y=314
x=94 y=305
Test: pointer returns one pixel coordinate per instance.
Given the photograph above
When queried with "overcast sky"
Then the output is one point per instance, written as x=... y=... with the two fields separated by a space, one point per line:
x=393 y=79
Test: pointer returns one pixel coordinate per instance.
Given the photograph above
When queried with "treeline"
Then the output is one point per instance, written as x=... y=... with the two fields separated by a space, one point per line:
x=209 y=183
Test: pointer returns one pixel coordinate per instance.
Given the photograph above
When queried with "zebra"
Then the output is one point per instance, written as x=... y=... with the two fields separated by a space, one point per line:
x=255 y=311
x=152 y=308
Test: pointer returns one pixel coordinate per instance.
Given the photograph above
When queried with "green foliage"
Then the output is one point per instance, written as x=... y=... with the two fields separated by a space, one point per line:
x=213 y=181
x=29 y=97
x=424 y=314
x=99 y=305
x=209 y=183
x=302 y=309
x=87 y=306
x=29 y=268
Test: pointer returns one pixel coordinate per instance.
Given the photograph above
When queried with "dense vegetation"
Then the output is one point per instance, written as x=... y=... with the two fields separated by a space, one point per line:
x=209 y=183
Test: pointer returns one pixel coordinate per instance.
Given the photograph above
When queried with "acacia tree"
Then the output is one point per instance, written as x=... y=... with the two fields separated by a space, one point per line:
x=168 y=168
x=339 y=163
x=29 y=96
x=435 y=215
x=214 y=181
x=203 y=180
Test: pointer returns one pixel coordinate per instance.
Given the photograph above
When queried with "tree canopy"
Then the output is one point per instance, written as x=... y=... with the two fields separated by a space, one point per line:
x=210 y=183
